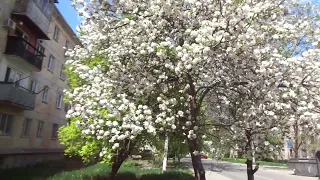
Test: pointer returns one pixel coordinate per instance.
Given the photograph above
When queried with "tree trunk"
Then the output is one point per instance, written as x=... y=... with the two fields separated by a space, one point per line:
x=165 y=154
x=296 y=139
x=114 y=169
x=199 y=171
x=198 y=167
x=250 y=170
x=194 y=144
x=120 y=157
x=250 y=156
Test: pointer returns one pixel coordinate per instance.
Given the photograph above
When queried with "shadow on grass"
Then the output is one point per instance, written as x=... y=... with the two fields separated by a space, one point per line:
x=41 y=171
x=170 y=175
x=94 y=172
x=121 y=176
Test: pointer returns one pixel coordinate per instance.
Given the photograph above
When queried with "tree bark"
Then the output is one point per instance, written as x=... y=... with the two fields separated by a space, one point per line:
x=250 y=170
x=199 y=171
x=120 y=157
x=198 y=167
x=194 y=144
x=165 y=154
x=114 y=169
x=296 y=139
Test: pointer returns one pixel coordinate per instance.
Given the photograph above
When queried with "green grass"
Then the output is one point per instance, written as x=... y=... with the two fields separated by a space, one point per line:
x=262 y=163
x=129 y=171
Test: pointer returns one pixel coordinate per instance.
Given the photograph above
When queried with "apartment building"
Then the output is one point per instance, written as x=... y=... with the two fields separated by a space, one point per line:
x=33 y=34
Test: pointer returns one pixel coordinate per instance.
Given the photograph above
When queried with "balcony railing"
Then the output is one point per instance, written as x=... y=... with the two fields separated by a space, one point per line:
x=17 y=96
x=20 y=47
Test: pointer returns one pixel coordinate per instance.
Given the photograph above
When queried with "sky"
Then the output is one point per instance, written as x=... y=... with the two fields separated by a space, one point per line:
x=69 y=14
x=73 y=19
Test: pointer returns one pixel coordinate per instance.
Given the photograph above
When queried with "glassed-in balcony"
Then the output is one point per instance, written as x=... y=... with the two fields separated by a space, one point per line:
x=18 y=48
x=16 y=96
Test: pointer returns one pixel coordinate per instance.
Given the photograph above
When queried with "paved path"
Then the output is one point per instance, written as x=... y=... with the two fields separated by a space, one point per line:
x=228 y=171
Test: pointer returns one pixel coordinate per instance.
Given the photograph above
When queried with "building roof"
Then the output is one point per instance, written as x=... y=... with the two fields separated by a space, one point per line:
x=67 y=27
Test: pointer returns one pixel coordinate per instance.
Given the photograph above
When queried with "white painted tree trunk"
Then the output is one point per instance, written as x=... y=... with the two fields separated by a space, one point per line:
x=165 y=153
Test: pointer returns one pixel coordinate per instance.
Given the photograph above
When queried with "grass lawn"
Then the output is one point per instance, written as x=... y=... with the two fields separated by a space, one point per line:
x=262 y=163
x=129 y=171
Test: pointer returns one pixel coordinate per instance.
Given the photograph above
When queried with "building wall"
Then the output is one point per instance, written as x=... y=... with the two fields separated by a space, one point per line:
x=48 y=111
x=6 y=7
x=13 y=148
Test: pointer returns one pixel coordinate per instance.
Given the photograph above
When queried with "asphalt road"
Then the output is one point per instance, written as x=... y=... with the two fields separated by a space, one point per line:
x=228 y=171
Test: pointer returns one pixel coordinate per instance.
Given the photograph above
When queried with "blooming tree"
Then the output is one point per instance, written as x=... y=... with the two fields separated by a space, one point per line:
x=301 y=94
x=159 y=59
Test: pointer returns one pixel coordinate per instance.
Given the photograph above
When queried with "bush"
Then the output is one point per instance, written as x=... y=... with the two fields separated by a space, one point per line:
x=78 y=145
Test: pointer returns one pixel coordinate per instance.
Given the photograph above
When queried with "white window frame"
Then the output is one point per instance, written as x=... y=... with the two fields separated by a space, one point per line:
x=24 y=36
x=40 y=129
x=45 y=95
x=62 y=74
x=51 y=63
x=33 y=86
x=41 y=49
x=27 y=124
x=66 y=47
x=59 y=101
x=7 y=132
x=17 y=75
x=56 y=33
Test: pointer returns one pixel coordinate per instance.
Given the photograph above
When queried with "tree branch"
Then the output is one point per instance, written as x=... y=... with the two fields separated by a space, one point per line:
x=256 y=168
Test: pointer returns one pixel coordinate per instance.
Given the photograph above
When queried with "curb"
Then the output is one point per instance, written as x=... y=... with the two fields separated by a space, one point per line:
x=261 y=166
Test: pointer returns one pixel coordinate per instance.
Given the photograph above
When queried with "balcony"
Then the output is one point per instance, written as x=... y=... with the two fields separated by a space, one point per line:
x=34 y=14
x=17 y=96
x=21 y=49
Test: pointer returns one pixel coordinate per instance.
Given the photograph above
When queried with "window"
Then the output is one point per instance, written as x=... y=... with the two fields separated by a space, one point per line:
x=59 y=101
x=55 y=128
x=26 y=127
x=46 y=6
x=56 y=33
x=66 y=47
x=39 y=129
x=40 y=51
x=19 y=33
x=13 y=75
x=62 y=74
x=33 y=86
x=51 y=63
x=45 y=95
x=6 y=122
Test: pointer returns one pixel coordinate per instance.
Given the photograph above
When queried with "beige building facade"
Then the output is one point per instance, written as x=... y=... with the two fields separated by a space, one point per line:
x=33 y=34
